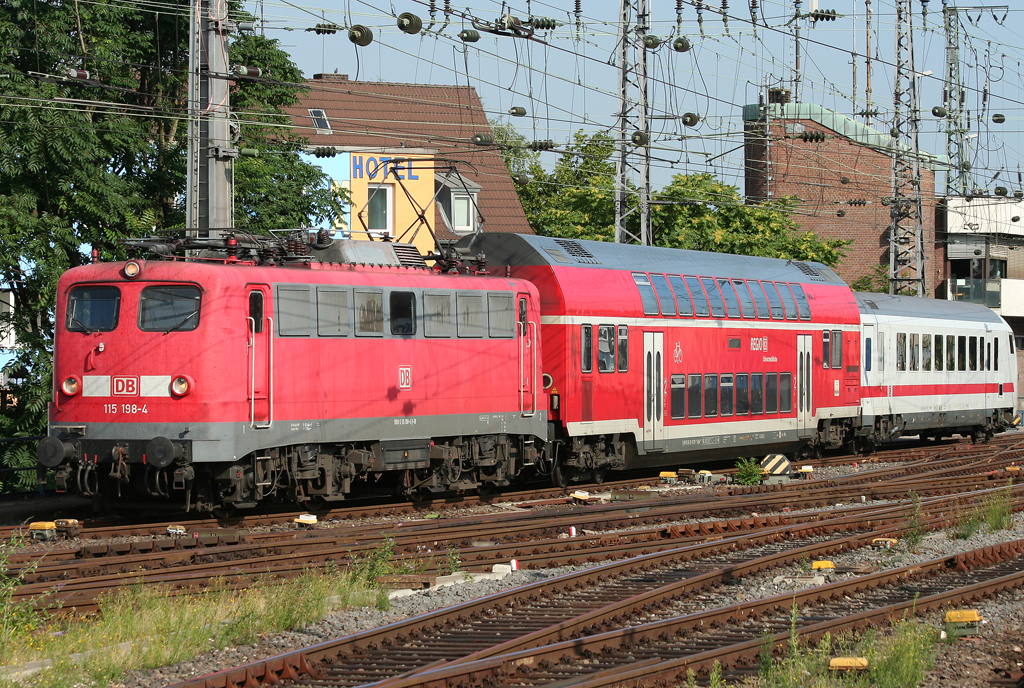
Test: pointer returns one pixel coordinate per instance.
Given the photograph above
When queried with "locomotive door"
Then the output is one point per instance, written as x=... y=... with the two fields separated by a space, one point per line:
x=260 y=354
x=654 y=391
x=527 y=334
x=804 y=401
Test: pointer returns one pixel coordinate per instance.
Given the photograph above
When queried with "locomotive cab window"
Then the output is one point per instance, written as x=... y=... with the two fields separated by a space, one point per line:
x=501 y=316
x=647 y=296
x=369 y=313
x=169 y=309
x=256 y=311
x=437 y=315
x=402 y=306
x=606 y=348
x=93 y=309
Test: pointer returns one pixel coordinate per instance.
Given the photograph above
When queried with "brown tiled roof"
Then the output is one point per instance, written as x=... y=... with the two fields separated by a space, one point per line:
x=445 y=118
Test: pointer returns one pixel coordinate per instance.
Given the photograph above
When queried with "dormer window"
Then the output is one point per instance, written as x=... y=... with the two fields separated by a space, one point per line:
x=457 y=198
x=320 y=121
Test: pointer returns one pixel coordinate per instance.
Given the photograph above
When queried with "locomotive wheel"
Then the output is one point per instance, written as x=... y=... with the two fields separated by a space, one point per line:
x=559 y=478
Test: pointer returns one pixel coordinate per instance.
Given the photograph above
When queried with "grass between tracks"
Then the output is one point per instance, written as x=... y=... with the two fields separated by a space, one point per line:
x=141 y=627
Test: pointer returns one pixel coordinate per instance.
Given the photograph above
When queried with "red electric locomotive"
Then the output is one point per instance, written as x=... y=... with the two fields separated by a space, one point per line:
x=263 y=370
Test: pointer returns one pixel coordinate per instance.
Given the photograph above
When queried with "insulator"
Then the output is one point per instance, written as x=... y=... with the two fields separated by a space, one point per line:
x=894 y=132
x=483 y=139
x=325 y=28
x=690 y=119
x=242 y=70
x=997 y=118
x=544 y=24
x=432 y=8
x=360 y=35
x=966 y=167
x=938 y=111
x=679 y=6
x=247 y=26
x=1016 y=218
x=296 y=247
x=579 y=8
x=650 y=42
x=517 y=111
x=840 y=213
x=844 y=180
x=77 y=73
x=522 y=178
x=542 y=145
x=640 y=138
x=248 y=153
x=323 y=237
x=1018 y=194
x=681 y=45
x=447 y=7
x=409 y=23
x=1001 y=191
x=469 y=35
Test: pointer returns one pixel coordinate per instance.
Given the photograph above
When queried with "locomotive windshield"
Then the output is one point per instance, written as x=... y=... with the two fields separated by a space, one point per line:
x=169 y=308
x=93 y=309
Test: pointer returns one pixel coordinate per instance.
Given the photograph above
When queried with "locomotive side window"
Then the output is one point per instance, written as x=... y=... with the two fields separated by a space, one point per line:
x=988 y=356
x=915 y=350
x=950 y=353
x=785 y=392
x=587 y=348
x=787 y=298
x=522 y=316
x=961 y=353
x=700 y=301
x=973 y=353
x=470 y=316
x=881 y=350
x=682 y=295
x=437 y=315
x=801 y=301
x=256 y=311
x=293 y=316
x=995 y=353
x=745 y=301
x=837 y=349
x=668 y=304
x=677 y=397
x=93 y=309
x=742 y=395
x=403 y=312
x=623 y=348
x=332 y=316
x=606 y=349
x=901 y=351
x=926 y=352
x=756 y=395
x=647 y=296
x=1011 y=343
x=774 y=299
x=763 y=311
x=693 y=396
x=726 y=395
x=501 y=320
x=710 y=396
x=732 y=304
x=938 y=352
x=714 y=297
x=771 y=393
x=867 y=354
x=826 y=348
x=369 y=313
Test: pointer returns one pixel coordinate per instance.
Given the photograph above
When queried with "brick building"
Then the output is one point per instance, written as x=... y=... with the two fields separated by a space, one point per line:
x=841 y=171
x=410 y=155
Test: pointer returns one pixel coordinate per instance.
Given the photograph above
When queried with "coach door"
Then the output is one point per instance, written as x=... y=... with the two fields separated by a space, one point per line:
x=527 y=333
x=654 y=392
x=260 y=353
x=804 y=401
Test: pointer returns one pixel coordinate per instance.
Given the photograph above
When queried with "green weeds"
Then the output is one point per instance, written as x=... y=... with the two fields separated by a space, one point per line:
x=748 y=472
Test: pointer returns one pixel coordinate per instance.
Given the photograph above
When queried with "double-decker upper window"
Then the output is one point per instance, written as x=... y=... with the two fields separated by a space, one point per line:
x=169 y=308
x=93 y=309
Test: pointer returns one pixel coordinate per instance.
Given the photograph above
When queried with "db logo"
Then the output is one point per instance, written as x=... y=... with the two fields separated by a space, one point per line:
x=404 y=377
x=126 y=386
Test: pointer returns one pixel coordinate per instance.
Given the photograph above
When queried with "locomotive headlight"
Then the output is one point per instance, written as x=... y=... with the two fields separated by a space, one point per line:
x=132 y=269
x=181 y=385
x=70 y=386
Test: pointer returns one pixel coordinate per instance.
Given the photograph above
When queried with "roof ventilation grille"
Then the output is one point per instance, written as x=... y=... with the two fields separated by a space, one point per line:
x=409 y=256
x=576 y=250
x=871 y=304
x=809 y=271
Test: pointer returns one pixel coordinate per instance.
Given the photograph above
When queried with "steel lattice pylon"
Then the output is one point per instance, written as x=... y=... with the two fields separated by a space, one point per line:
x=906 y=229
x=633 y=126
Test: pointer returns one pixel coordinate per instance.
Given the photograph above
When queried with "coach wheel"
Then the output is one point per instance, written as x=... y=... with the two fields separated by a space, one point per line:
x=559 y=478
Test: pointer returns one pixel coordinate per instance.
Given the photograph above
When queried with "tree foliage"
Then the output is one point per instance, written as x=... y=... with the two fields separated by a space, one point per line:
x=84 y=163
x=576 y=199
